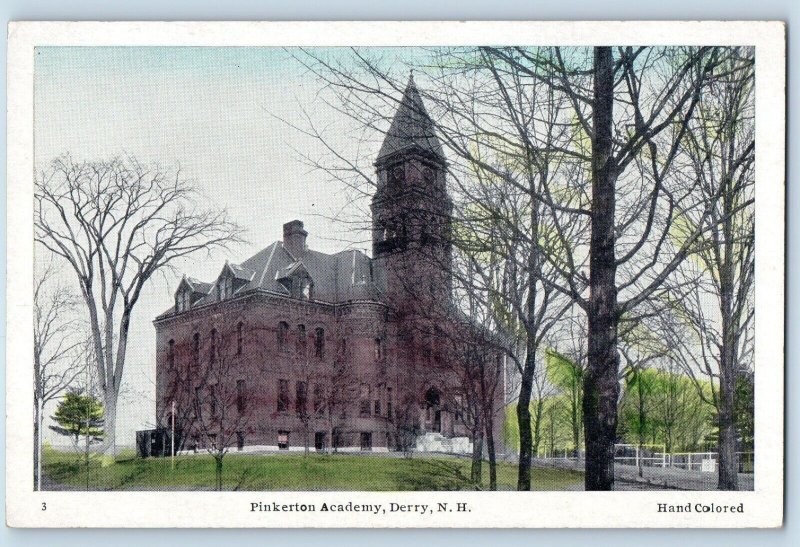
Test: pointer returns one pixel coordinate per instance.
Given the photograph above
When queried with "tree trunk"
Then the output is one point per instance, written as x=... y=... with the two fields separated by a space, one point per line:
x=726 y=449
x=477 y=456
x=86 y=454
x=218 y=470
x=537 y=429
x=492 y=456
x=528 y=369
x=601 y=388
x=110 y=423
x=37 y=446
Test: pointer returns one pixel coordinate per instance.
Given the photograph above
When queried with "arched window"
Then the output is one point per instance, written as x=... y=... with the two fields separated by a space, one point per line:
x=171 y=354
x=378 y=349
x=212 y=350
x=239 y=337
x=319 y=343
x=283 y=331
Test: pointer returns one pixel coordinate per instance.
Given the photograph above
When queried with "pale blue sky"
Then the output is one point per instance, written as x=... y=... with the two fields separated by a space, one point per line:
x=214 y=112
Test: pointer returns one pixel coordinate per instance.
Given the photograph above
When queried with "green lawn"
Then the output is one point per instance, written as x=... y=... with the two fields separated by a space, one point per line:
x=287 y=472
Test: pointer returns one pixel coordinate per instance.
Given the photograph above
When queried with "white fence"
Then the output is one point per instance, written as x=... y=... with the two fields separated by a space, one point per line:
x=656 y=456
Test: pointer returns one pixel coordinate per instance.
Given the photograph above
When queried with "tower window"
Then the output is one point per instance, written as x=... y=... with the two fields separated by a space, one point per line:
x=396 y=175
x=239 y=338
x=171 y=354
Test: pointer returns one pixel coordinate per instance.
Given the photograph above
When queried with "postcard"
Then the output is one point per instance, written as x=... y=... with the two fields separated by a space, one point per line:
x=395 y=274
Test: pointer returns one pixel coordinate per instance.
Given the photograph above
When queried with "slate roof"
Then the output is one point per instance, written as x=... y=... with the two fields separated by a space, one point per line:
x=337 y=278
x=411 y=129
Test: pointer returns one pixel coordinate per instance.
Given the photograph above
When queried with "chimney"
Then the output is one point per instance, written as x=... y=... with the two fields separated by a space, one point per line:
x=294 y=238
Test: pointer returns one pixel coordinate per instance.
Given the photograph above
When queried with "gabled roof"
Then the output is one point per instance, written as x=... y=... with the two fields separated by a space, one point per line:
x=411 y=129
x=195 y=285
x=339 y=277
x=288 y=271
x=238 y=272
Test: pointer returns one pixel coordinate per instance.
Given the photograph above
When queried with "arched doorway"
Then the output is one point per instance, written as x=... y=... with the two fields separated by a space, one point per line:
x=433 y=410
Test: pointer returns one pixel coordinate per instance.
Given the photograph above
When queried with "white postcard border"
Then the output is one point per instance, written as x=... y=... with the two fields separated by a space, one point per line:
x=763 y=507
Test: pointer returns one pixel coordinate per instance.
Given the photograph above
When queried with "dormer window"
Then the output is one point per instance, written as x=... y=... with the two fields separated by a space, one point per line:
x=305 y=288
x=183 y=301
x=225 y=287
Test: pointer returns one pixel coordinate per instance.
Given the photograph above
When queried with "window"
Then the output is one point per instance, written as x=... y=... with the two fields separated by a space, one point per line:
x=300 y=398
x=343 y=347
x=319 y=440
x=283 y=440
x=239 y=337
x=306 y=289
x=196 y=348
x=377 y=407
x=319 y=400
x=212 y=350
x=364 y=407
x=225 y=287
x=301 y=340
x=366 y=441
x=283 y=395
x=283 y=332
x=212 y=440
x=389 y=402
x=319 y=343
x=239 y=441
x=171 y=354
x=182 y=301
x=240 y=396
x=378 y=349
x=396 y=175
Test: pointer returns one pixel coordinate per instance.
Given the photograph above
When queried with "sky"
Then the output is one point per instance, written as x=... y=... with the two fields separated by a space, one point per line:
x=217 y=113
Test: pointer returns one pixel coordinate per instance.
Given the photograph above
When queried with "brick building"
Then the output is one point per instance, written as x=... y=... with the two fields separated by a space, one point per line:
x=293 y=346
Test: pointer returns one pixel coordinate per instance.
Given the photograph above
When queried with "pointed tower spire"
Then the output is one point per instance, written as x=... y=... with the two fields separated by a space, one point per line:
x=412 y=129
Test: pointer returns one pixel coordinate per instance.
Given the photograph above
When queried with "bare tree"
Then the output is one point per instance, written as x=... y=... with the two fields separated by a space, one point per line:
x=620 y=115
x=57 y=350
x=500 y=227
x=117 y=223
x=634 y=106
x=219 y=404
x=721 y=151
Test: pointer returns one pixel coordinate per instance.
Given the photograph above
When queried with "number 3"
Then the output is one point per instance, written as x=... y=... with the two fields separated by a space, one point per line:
x=44 y=506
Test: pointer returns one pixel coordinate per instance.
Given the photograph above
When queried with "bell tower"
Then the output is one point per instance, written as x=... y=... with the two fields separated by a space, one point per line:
x=411 y=210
